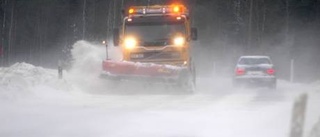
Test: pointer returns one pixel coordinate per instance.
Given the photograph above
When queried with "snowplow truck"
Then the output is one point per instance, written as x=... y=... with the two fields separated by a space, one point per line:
x=156 y=45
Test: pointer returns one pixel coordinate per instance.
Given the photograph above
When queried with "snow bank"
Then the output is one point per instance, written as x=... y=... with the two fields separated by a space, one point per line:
x=316 y=86
x=23 y=76
x=23 y=80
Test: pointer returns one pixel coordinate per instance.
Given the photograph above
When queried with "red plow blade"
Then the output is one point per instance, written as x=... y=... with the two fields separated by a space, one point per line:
x=133 y=69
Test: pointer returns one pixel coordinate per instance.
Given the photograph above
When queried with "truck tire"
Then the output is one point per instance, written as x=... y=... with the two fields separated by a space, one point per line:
x=186 y=82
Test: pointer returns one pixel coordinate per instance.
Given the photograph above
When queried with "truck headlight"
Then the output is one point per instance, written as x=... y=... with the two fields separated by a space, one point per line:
x=179 y=41
x=130 y=42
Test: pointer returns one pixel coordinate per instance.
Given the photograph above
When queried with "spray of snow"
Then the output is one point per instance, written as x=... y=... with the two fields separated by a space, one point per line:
x=87 y=58
x=87 y=64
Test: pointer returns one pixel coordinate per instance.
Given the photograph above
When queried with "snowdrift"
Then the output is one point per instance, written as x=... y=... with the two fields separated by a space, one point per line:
x=22 y=76
x=21 y=79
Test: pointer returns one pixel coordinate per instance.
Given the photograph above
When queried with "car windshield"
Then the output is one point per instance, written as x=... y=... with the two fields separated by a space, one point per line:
x=254 y=61
x=155 y=31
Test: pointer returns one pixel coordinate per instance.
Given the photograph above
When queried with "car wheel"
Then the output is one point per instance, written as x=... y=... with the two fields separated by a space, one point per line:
x=272 y=85
x=235 y=84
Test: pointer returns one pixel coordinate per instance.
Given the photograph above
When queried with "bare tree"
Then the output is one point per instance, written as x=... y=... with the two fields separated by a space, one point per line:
x=287 y=19
x=4 y=4
x=10 y=38
x=109 y=19
x=249 y=42
x=84 y=19
x=264 y=10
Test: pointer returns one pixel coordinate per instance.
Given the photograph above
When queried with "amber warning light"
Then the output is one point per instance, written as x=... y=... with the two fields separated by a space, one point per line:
x=131 y=11
x=176 y=9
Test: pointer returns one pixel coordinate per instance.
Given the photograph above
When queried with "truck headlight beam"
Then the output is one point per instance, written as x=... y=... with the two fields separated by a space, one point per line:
x=179 y=41
x=130 y=42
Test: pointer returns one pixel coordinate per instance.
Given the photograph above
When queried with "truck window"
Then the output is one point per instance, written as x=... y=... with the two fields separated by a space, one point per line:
x=155 y=32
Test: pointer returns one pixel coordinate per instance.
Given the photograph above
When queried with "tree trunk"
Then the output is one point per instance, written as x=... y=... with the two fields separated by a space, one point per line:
x=3 y=30
x=263 y=18
x=10 y=33
x=114 y=13
x=109 y=19
x=249 y=40
x=40 y=39
x=84 y=19
x=287 y=20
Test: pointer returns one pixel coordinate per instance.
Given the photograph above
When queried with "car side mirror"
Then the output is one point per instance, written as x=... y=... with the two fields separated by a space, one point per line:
x=194 y=33
x=116 y=37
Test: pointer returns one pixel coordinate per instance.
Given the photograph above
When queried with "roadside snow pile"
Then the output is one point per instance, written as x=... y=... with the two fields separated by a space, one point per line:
x=316 y=85
x=23 y=75
x=21 y=78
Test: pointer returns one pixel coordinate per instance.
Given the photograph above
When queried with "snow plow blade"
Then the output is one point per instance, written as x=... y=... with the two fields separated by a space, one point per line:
x=147 y=71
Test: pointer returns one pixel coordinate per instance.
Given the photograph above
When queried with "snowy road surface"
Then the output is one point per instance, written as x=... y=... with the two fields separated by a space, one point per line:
x=53 y=108
x=34 y=103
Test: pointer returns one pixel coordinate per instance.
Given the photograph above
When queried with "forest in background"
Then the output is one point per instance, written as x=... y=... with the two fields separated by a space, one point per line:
x=41 y=32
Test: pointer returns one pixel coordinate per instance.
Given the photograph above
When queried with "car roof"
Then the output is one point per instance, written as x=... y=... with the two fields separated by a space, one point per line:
x=255 y=57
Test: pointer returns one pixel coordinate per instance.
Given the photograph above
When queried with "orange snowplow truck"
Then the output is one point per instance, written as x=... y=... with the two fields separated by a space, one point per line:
x=156 y=45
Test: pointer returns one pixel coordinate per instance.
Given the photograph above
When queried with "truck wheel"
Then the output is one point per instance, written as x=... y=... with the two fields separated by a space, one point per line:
x=194 y=77
x=186 y=82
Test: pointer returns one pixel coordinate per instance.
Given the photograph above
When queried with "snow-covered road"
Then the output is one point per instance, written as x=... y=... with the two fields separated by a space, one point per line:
x=35 y=103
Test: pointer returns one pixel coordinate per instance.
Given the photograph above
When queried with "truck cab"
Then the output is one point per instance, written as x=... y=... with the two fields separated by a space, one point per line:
x=156 y=34
x=156 y=45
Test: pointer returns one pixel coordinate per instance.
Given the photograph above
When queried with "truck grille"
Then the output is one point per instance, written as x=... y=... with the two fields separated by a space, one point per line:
x=155 y=55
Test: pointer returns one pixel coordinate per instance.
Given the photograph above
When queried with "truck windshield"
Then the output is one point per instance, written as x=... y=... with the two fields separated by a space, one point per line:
x=155 y=33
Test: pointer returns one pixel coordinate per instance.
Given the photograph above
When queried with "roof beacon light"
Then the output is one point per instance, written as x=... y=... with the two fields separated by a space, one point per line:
x=158 y=10
x=176 y=9
x=131 y=11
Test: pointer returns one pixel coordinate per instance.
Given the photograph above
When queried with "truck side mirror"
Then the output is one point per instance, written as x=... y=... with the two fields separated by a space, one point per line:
x=116 y=37
x=194 y=33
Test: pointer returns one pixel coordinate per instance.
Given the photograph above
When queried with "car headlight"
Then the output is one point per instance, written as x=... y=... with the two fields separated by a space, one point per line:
x=179 y=41
x=130 y=42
